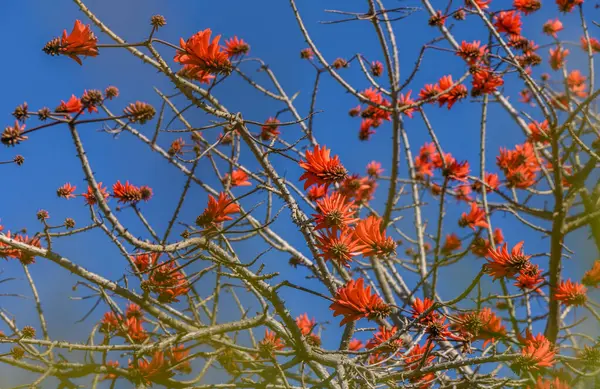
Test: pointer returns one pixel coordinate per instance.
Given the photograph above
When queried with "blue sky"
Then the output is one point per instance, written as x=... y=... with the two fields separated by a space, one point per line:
x=29 y=75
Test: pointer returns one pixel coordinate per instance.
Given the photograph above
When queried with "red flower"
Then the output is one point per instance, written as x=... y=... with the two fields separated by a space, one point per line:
x=270 y=129
x=551 y=27
x=238 y=178
x=179 y=356
x=129 y=193
x=463 y=192
x=508 y=22
x=420 y=306
x=372 y=112
x=374 y=169
x=452 y=243
x=111 y=376
x=321 y=169
x=592 y=276
x=339 y=248
x=529 y=278
x=270 y=343
x=202 y=55
x=557 y=57
x=413 y=360
x=383 y=335
x=143 y=261
x=217 y=211
x=168 y=282
x=567 y=5
x=483 y=325
x=452 y=94
x=537 y=353
x=571 y=293
x=355 y=345
x=520 y=165
x=483 y=4
x=471 y=52
x=455 y=170
x=81 y=41
x=485 y=81
x=576 y=83
x=236 y=47
x=7 y=251
x=335 y=212
x=405 y=100
x=429 y=91
x=475 y=218
x=437 y=329
x=305 y=325
x=316 y=192
x=66 y=191
x=156 y=369
x=527 y=6
x=369 y=232
x=593 y=43
x=492 y=182
x=191 y=72
x=376 y=68
x=74 y=105
x=354 y=301
x=555 y=383
x=539 y=131
x=176 y=147
x=501 y=263
x=89 y=197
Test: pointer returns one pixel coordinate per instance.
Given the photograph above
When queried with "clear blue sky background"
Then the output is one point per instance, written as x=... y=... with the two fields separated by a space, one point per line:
x=29 y=75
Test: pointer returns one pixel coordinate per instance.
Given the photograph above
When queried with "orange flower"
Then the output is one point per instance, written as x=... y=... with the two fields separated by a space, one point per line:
x=567 y=5
x=551 y=27
x=238 y=178
x=413 y=359
x=168 y=282
x=529 y=278
x=307 y=53
x=202 y=55
x=372 y=112
x=420 y=306
x=519 y=165
x=537 y=353
x=339 y=248
x=176 y=147
x=190 y=72
x=475 y=218
x=374 y=169
x=355 y=345
x=305 y=324
x=593 y=43
x=335 y=212
x=143 y=261
x=376 y=68
x=81 y=41
x=66 y=191
x=270 y=343
x=527 y=6
x=217 y=211
x=592 y=276
x=452 y=243
x=576 y=83
x=354 y=301
x=555 y=383
x=179 y=356
x=369 y=232
x=89 y=197
x=463 y=192
x=111 y=376
x=321 y=169
x=471 y=52
x=316 y=192
x=492 y=182
x=571 y=293
x=236 y=47
x=429 y=91
x=7 y=251
x=483 y=4
x=508 y=22
x=483 y=325
x=405 y=100
x=383 y=335
x=539 y=131
x=74 y=105
x=126 y=193
x=485 y=81
x=557 y=57
x=501 y=263
x=454 y=169
x=270 y=129
x=156 y=369
x=453 y=94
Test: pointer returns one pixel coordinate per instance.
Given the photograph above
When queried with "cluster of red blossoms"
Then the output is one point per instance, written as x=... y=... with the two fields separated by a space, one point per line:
x=163 y=278
x=537 y=354
x=130 y=327
x=216 y=212
x=513 y=264
x=7 y=251
x=124 y=193
x=161 y=366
